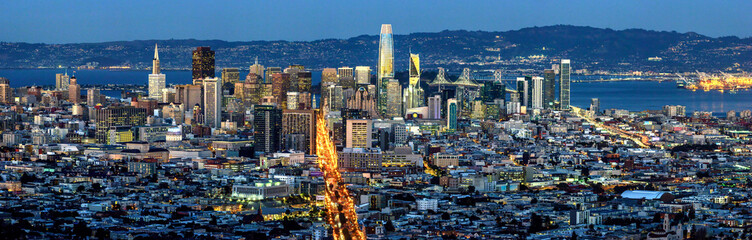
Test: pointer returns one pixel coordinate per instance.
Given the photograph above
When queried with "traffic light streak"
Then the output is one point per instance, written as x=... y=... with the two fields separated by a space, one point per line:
x=341 y=213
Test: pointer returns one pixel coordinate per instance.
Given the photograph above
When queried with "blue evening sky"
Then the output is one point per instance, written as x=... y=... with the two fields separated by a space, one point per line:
x=104 y=20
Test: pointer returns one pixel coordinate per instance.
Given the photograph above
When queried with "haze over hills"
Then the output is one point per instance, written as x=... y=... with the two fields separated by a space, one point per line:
x=528 y=48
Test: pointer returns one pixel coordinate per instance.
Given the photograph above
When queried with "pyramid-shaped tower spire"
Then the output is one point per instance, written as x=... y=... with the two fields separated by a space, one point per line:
x=156 y=52
x=155 y=63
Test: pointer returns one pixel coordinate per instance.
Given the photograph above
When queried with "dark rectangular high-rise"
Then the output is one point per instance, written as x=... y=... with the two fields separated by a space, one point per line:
x=523 y=89
x=267 y=128
x=203 y=64
x=549 y=89
x=492 y=91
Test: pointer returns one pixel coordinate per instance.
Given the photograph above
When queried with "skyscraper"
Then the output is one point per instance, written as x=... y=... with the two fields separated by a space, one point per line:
x=335 y=98
x=280 y=86
x=385 y=64
x=363 y=75
x=92 y=96
x=62 y=81
x=267 y=128
x=257 y=68
x=452 y=114
x=491 y=91
x=564 y=84
x=212 y=102
x=595 y=105
x=155 y=66
x=74 y=91
x=230 y=75
x=292 y=100
x=522 y=90
x=293 y=71
x=413 y=92
x=329 y=76
x=304 y=81
x=394 y=99
x=117 y=116
x=6 y=92
x=363 y=100
x=536 y=98
x=549 y=89
x=300 y=122
x=249 y=91
x=434 y=107
x=203 y=64
x=346 y=77
x=189 y=95
x=414 y=69
x=156 y=78
x=358 y=133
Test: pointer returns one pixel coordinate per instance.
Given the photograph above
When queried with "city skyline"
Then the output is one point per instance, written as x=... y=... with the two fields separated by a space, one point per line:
x=446 y=141
x=61 y=22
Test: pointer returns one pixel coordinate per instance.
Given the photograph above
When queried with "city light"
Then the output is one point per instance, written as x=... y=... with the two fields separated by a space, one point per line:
x=338 y=201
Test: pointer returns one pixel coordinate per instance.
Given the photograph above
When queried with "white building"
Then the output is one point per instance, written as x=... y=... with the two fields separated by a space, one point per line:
x=358 y=133
x=537 y=95
x=434 y=107
x=212 y=102
x=427 y=204
x=261 y=189
x=156 y=78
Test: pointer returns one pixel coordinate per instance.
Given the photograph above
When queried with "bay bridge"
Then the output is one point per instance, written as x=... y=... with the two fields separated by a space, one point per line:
x=509 y=80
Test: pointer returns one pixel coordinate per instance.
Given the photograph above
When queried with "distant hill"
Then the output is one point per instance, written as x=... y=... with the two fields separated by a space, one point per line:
x=588 y=47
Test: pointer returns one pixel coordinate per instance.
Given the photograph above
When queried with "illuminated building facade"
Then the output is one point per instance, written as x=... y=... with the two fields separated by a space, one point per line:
x=117 y=116
x=328 y=78
x=452 y=111
x=536 y=98
x=549 y=89
x=304 y=81
x=363 y=100
x=280 y=87
x=300 y=122
x=414 y=93
x=230 y=75
x=267 y=128
x=260 y=189
x=6 y=92
x=595 y=105
x=74 y=91
x=360 y=159
x=363 y=75
x=385 y=64
x=203 y=64
x=156 y=78
x=564 y=71
x=358 y=133
x=346 y=77
x=62 y=81
x=257 y=69
x=434 y=107
x=394 y=99
x=212 y=102
x=92 y=96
